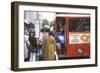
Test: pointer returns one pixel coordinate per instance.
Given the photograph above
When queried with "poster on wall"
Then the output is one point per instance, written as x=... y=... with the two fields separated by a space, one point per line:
x=52 y=36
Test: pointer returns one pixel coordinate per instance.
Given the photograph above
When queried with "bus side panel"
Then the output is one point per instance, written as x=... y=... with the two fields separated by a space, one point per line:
x=78 y=50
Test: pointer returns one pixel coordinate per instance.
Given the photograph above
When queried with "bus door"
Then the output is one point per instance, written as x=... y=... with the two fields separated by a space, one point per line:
x=61 y=35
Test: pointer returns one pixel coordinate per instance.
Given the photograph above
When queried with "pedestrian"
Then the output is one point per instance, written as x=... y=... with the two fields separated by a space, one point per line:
x=26 y=45
x=50 y=47
x=33 y=46
x=44 y=43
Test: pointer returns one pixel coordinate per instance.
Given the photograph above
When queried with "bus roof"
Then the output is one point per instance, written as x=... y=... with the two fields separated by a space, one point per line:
x=72 y=15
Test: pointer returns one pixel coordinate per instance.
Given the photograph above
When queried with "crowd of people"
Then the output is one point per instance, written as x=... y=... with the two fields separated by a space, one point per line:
x=46 y=45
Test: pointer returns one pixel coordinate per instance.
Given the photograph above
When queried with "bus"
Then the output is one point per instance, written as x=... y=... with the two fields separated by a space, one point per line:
x=75 y=31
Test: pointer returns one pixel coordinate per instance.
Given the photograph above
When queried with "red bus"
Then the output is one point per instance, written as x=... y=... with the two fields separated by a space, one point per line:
x=76 y=30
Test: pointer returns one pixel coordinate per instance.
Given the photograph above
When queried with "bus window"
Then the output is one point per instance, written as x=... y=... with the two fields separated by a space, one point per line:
x=79 y=24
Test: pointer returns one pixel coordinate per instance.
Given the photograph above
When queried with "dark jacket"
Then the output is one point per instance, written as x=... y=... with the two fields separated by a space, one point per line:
x=33 y=43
